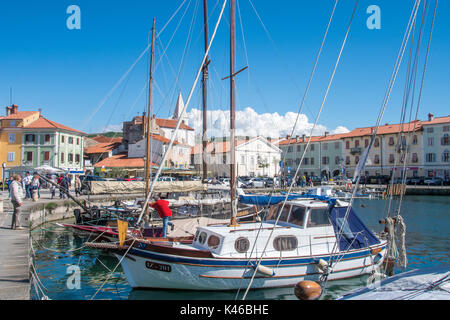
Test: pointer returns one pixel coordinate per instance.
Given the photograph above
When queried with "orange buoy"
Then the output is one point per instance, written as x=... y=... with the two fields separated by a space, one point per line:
x=308 y=290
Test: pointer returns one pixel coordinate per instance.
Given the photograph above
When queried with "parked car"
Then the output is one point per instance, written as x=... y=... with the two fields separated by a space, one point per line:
x=447 y=181
x=165 y=178
x=256 y=183
x=316 y=179
x=268 y=182
x=378 y=179
x=436 y=181
x=225 y=181
x=91 y=178
x=415 y=180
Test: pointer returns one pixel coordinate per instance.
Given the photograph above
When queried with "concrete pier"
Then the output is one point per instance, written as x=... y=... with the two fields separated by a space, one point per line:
x=14 y=263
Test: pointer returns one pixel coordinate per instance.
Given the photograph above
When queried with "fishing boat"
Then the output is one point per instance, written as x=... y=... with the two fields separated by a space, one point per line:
x=224 y=257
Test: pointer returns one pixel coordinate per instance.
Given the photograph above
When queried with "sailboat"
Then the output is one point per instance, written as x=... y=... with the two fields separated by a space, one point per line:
x=298 y=239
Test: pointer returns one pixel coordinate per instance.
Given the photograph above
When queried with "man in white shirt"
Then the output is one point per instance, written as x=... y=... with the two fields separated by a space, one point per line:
x=16 y=198
x=27 y=184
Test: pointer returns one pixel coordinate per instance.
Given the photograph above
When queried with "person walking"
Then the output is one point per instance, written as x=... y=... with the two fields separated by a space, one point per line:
x=16 y=200
x=34 y=187
x=77 y=185
x=60 y=179
x=52 y=187
x=26 y=182
x=162 y=207
x=65 y=186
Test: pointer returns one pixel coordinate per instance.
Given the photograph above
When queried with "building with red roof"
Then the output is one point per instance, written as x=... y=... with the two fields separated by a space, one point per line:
x=29 y=139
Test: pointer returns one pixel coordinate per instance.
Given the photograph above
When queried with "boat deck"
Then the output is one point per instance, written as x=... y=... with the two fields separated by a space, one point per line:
x=420 y=284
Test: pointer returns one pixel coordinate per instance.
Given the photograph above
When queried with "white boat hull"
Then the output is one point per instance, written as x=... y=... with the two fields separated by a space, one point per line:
x=202 y=274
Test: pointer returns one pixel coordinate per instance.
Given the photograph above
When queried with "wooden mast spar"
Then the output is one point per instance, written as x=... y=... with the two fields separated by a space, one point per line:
x=204 y=87
x=149 y=118
x=232 y=113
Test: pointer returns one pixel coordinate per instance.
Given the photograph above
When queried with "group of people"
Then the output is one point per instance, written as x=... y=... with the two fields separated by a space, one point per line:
x=29 y=188
x=64 y=183
x=31 y=184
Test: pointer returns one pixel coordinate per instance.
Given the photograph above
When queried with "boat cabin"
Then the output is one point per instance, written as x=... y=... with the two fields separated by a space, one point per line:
x=303 y=228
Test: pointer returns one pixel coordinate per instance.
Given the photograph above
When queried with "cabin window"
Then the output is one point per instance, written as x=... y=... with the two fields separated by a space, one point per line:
x=318 y=218
x=202 y=237
x=284 y=214
x=213 y=241
x=196 y=235
x=285 y=243
x=242 y=244
x=297 y=216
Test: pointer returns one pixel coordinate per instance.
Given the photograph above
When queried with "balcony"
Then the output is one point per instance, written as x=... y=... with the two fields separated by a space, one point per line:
x=354 y=151
x=401 y=148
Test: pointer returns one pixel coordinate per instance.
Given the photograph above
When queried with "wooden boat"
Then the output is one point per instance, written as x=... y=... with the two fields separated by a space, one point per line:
x=223 y=257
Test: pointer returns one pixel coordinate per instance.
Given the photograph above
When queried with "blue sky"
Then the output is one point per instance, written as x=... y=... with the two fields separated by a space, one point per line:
x=68 y=73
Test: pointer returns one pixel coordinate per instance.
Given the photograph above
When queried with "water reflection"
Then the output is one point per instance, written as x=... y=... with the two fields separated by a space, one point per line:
x=427 y=236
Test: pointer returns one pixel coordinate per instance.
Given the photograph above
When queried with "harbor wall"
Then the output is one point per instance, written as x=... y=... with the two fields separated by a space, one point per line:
x=39 y=213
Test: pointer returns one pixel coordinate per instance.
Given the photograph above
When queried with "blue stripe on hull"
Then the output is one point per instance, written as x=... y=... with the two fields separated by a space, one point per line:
x=244 y=262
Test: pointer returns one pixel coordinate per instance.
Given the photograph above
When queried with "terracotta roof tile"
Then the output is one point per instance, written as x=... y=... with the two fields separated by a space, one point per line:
x=437 y=120
x=171 y=123
x=20 y=115
x=101 y=148
x=386 y=129
x=121 y=161
x=43 y=123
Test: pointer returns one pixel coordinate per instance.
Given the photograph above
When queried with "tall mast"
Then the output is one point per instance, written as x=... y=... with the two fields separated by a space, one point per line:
x=232 y=111
x=149 y=116
x=204 y=85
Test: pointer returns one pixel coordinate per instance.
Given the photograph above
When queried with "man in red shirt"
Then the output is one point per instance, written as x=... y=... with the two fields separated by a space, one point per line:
x=162 y=206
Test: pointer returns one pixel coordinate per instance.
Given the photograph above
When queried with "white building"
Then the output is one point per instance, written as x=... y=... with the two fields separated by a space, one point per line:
x=178 y=157
x=185 y=134
x=436 y=146
x=254 y=157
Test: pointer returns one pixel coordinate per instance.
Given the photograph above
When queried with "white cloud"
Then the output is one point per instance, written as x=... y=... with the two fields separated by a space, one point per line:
x=251 y=123
x=112 y=127
x=340 y=129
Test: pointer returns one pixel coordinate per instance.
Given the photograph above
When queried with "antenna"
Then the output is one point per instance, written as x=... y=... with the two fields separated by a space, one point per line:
x=10 y=95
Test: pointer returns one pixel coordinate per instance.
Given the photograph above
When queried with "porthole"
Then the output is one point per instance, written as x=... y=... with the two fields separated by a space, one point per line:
x=213 y=241
x=242 y=244
x=285 y=243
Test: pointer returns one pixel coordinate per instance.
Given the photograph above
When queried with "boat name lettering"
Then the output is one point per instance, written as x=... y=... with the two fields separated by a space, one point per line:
x=158 y=266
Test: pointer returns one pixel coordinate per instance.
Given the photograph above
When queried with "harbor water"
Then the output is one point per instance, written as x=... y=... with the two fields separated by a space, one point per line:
x=69 y=271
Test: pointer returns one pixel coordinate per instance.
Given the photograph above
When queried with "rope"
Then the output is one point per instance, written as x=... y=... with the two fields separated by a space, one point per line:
x=416 y=291
x=309 y=140
x=295 y=124
x=109 y=275
x=73 y=250
x=182 y=114
x=108 y=95
x=401 y=237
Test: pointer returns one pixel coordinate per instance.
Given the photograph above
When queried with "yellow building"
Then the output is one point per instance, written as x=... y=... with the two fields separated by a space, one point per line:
x=11 y=135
